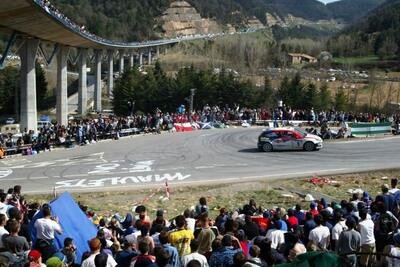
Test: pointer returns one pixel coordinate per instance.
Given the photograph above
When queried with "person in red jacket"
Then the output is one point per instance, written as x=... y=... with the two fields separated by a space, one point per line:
x=292 y=220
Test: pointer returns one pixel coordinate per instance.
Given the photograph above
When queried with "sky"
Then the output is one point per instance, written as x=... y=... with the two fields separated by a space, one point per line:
x=327 y=1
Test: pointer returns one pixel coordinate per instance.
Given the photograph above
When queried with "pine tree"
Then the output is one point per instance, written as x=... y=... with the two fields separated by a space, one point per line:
x=324 y=98
x=310 y=99
x=41 y=88
x=340 y=100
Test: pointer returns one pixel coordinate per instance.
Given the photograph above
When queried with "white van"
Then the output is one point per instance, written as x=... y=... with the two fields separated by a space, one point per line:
x=11 y=128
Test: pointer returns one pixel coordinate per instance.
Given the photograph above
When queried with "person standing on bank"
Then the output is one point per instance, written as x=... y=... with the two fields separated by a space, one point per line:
x=45 y=229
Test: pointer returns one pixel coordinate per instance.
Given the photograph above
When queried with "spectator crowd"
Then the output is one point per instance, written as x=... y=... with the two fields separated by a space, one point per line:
x=81 y=132
x=359 y=231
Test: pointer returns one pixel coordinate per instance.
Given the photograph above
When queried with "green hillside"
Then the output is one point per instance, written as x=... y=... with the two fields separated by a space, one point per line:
x=378 y=33
x=308 y=9
x=352 y=10
x=136 y=19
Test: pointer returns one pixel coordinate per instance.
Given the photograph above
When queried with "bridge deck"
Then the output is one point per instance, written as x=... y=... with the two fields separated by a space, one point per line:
x=30 y=18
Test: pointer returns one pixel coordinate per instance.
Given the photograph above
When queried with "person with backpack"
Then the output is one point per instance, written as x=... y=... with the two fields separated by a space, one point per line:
x=385 y=224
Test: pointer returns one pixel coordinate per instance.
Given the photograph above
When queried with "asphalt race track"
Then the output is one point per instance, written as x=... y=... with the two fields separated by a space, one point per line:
x=228 y=155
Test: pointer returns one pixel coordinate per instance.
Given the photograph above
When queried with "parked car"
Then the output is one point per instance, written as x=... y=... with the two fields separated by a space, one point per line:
x=10 y=129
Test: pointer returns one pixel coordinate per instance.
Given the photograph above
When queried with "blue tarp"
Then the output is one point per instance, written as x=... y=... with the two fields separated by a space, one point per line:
x=74 y=224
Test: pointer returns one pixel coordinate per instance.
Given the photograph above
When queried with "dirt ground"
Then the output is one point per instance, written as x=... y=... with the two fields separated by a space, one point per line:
x=268 y=195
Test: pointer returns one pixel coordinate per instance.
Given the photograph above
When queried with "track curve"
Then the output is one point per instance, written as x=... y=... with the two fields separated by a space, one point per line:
x=228 y=155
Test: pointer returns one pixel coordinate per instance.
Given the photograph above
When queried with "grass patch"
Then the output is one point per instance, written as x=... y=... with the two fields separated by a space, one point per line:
x=356 y=60
x=231 y=196
x=369 y=181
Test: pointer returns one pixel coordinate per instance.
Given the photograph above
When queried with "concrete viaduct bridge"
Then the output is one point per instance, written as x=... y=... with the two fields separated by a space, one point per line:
x=31 y=23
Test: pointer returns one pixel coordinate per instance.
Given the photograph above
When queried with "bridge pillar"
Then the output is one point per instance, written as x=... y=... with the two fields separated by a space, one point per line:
x=140 y=58
x=121 y=61
x=27 y=54
x=62 y=86
x=97 y=84
x=131 y=60
x=82 y=89
x=158 y=52
x=149 y=57
x=110 y=72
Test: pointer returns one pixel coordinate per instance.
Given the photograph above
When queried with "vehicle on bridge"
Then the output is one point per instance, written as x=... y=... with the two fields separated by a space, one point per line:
x=288 y=139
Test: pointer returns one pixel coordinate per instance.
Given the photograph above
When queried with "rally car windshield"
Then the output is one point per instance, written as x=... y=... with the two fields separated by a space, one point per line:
x=301 y=131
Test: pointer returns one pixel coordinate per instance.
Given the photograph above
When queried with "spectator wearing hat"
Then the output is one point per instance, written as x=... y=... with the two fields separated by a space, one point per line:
x=224 y=255
x=95 y=247
x=320 y=235
x=35 y=258
x=276 y=235
x=279 y=215
x=366 y=229
x=55 y=262
x=349 y=244
x=195 y=255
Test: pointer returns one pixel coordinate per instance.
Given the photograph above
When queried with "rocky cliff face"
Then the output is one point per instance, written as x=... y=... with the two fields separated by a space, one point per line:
x=254 y=24
x=182 y=19
x=291 y=21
